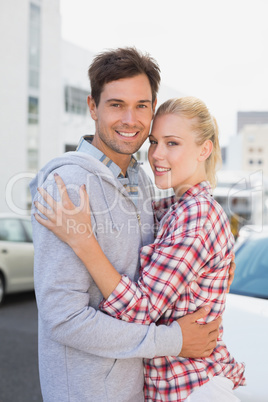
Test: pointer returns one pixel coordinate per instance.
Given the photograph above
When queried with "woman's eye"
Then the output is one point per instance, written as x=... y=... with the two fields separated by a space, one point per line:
x=172 y=143
x=152 y=142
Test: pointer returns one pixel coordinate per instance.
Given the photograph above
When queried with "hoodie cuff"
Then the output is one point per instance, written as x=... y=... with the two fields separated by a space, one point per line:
x=168 y=340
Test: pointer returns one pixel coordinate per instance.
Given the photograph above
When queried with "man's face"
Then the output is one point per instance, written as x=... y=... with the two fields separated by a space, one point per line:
x=123 y=116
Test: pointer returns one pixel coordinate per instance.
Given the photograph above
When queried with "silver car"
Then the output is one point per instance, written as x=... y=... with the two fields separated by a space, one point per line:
x=245 y=320
x=16 y=254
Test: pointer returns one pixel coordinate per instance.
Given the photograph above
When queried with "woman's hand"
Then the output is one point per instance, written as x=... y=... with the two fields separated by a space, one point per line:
x=69 y=223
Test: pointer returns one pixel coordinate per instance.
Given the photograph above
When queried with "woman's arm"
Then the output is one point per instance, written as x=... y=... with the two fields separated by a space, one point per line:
x=143 y=302
x=59 y=216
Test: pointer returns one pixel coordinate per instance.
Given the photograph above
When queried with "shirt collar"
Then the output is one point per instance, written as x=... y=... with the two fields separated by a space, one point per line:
x=86 y=147
x=197 y=189
x=161 y=206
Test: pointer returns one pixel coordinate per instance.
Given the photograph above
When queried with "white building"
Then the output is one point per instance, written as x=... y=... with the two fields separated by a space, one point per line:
x=44 y=87
x=255 y=148
x=249 y=149
x=243 y=187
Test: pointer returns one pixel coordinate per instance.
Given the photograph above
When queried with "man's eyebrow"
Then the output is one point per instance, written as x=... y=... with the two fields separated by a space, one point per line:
x=115 y=100
x=122 y=101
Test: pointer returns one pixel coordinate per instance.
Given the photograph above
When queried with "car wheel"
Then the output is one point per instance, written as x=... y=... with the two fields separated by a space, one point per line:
x=2 y=288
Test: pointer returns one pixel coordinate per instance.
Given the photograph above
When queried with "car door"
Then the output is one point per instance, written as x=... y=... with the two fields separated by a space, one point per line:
x=16 y=249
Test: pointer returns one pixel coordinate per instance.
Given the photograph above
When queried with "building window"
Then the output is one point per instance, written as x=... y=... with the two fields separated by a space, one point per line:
x=32 y=156
x=251 y=150
x=141 y=155
x=251 y=162
x=33 y=78
x=138 y=155
x=34 y=46
x=34 y=51
x=69 y=147
x=75 y=100
x=33 y=106
x=260 y=162
x=33 y=132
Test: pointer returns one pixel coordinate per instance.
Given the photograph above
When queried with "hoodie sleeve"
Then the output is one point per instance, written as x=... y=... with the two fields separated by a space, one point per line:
x=64 y=290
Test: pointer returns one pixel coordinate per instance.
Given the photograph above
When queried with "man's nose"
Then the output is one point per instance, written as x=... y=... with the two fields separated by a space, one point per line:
x=129 y=117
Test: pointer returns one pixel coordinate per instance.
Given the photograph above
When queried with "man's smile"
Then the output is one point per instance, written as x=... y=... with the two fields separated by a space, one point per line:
x=125 y=134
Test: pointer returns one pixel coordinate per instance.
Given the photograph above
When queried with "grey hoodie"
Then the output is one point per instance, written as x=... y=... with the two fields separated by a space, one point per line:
x=84 y=354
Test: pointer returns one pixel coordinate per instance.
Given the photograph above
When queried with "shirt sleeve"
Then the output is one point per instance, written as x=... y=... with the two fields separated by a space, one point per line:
x=170 y=268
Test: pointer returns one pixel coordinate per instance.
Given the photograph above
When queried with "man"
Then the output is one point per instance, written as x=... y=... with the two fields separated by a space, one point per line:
x=85 y=355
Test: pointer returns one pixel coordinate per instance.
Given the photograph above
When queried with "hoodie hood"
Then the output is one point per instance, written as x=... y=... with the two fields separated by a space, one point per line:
x=83 y=160
x=87 y=162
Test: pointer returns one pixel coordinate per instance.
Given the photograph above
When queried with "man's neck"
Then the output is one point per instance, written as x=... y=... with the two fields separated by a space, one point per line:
x=120 y=160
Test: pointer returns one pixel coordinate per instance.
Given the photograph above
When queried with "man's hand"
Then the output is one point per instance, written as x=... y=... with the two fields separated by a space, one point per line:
x=198 y=340
x=231 y=273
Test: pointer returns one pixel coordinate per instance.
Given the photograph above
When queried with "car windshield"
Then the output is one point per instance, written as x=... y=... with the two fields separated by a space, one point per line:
x=251 y=274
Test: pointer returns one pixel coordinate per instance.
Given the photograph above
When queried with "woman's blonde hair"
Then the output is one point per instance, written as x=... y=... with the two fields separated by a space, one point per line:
x=204 y=124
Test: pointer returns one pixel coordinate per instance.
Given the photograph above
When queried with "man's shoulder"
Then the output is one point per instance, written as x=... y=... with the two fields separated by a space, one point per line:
x=72 y=165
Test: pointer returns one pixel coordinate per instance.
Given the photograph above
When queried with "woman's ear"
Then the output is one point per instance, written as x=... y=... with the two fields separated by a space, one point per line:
x=206 y=150
x=92 y=107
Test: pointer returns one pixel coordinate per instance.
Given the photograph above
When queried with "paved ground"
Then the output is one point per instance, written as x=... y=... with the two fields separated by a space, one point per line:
x=19 y=381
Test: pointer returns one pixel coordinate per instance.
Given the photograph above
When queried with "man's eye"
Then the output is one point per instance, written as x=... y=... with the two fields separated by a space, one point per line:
x=142 y=106
x=115 y=105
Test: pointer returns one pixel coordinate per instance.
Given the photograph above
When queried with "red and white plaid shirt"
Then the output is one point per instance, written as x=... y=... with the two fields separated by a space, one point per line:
x=185 y=268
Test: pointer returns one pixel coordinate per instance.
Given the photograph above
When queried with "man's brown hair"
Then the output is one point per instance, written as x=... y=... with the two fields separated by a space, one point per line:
x=121 y=63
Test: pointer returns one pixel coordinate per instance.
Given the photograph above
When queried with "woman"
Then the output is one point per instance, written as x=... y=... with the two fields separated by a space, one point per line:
x=186 y=266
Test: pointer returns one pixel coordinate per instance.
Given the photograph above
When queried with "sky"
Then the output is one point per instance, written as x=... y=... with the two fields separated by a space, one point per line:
x=216 y=50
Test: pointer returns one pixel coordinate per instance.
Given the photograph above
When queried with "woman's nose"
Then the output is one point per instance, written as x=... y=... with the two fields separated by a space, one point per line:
x=157 y=153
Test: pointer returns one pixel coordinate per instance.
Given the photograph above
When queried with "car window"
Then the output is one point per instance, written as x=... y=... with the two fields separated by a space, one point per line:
x=28 y=228
x=11 y=230
x=251 y=274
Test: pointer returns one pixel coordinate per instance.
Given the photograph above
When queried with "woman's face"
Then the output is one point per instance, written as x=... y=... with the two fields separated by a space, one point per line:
x=174 y=155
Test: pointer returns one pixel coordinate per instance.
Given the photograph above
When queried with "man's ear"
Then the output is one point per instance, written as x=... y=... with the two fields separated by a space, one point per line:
x=206 y=150
x=92 y=107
